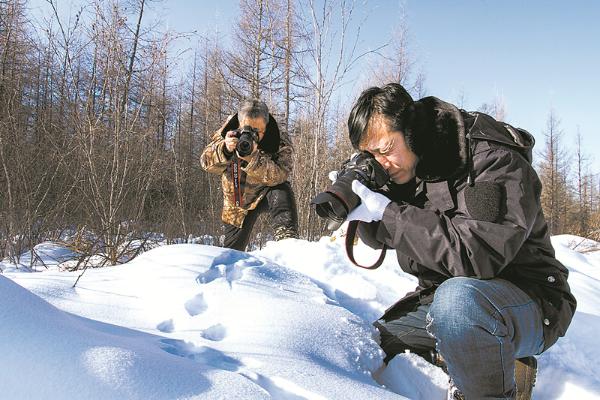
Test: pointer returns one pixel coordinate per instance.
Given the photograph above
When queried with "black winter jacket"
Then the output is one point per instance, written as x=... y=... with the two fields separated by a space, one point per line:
x=443 y=226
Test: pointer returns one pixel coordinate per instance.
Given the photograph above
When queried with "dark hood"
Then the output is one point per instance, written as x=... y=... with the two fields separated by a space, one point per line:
x=487 y=128
x=271 y=139
x=435 y=132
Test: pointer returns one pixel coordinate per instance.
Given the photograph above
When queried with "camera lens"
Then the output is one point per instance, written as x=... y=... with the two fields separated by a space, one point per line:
x=336 y=202
x=244 y=148
x=330 y=206
x=245 y=144
x=339 y=199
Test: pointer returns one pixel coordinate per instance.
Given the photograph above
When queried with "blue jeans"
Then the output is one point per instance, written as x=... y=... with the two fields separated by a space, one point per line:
x=481 y=327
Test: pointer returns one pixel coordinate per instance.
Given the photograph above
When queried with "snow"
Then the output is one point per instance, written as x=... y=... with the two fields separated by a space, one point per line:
x=44 y=256
x=290 y=321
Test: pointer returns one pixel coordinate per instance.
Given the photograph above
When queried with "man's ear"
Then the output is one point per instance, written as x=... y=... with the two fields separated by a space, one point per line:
x=270 y=142
x=231 y=124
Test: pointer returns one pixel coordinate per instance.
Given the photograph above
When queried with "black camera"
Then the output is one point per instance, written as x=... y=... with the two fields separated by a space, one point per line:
x=246 y=138
x=336 y=202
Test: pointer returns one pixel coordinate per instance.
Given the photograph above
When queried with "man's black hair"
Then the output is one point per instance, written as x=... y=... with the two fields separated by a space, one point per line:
x=390 y=101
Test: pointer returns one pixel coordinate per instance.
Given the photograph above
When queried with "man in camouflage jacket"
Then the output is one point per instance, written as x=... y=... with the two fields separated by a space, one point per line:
x=256 y=182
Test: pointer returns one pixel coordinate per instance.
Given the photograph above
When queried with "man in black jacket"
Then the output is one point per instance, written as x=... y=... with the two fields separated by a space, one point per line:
x=464 y=216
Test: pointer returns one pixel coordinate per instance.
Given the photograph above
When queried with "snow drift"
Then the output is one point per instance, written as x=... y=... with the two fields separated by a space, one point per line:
x=291 y=321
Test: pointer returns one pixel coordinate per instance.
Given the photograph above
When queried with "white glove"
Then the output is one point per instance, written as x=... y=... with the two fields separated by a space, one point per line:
x=372 y=204
x=332 y=176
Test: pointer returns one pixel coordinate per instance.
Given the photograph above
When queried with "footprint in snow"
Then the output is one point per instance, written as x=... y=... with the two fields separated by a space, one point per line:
x=200 y=354
x=228 y=265
x=280 y=388
x=196 y=305
x=166 y=326
x=215 y=333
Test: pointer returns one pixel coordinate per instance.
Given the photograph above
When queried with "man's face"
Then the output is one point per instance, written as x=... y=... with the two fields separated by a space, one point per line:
x=257 y=123
x=390 y=150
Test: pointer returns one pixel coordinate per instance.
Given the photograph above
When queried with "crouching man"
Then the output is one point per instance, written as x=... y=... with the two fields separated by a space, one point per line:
x=254 y=162
x=464 y=217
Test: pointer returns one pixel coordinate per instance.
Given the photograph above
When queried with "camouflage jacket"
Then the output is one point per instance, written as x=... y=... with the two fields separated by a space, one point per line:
x=265 y=169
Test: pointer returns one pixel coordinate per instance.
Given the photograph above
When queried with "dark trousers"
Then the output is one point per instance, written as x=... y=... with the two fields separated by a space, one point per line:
x=407 y=333
x=281 y=205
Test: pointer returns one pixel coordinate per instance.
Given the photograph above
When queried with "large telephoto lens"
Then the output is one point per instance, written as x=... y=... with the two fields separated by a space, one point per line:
x=336 y=202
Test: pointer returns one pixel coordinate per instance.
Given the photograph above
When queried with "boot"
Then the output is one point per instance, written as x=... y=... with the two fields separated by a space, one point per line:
x=454 y=393
x=525 y=373
x=284 y=232
x=436 y=359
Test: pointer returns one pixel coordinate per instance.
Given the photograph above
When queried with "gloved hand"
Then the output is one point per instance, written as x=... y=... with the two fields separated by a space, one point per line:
x=372 y=204
x=332 y=176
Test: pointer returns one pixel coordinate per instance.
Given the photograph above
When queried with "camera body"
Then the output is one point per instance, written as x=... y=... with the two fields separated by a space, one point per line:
x=336 y=202
x=247 y=136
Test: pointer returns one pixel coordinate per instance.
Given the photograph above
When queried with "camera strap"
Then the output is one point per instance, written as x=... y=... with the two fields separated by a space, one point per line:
x=235 y=177
x=350 y=235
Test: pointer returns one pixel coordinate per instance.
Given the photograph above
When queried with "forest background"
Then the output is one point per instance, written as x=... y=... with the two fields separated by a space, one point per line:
x=105 y=108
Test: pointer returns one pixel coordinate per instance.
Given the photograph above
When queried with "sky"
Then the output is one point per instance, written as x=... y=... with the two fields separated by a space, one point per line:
x=536 y=55
x=291 y=321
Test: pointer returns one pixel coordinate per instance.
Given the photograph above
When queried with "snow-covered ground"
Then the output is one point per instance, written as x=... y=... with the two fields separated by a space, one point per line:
x=290 y=321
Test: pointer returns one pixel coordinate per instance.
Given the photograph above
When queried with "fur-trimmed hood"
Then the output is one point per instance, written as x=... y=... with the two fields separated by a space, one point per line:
x=440 y=135
x=271 y=140
x=435 y=132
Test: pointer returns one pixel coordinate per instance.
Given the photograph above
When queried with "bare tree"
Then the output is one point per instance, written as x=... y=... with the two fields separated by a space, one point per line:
x=30 y=169
x=553 y=170
x=256 y=58
x=593 y=183
x=100 y=133
x=331 y=53
x=461 y=98
x=497 y=108
x=394 y=61
x=583 y=207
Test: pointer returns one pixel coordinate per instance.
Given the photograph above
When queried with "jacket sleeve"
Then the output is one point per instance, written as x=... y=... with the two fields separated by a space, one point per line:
x=367 y=232
x=268 y=169
x=213 y=158
x=457 y=244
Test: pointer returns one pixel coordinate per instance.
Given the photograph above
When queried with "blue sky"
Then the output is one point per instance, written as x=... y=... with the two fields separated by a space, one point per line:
x=536 y=55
